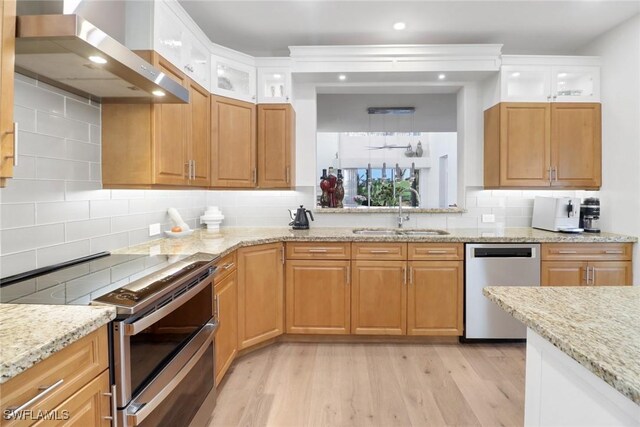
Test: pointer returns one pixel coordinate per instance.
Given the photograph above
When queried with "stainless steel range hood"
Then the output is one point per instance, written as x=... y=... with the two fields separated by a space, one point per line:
x=56 y=49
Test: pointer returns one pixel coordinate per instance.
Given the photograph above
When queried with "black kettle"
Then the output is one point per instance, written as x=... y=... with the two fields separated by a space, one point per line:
x=300 y=220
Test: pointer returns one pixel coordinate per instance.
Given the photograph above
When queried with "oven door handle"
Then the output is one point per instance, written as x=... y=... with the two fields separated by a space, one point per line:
x=146 y=321
x=171 y=375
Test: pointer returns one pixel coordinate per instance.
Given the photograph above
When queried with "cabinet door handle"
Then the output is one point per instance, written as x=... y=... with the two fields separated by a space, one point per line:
x=411 y=275
x=566 y=252
x=348 y=271
x=255 y=175
x=288 y=172
x=589 y=277
x=404 y=276
x=14 y=132
x=318 y=251
x=187 y=166
x=228 y=266
x=613 y=252
x=549 y=175
x=379 y=251
x=555 y=173
x=14 y=411
x=218 y=307
x=114 y=407
x=433 y=251
x=282 y=254
x=193 y=169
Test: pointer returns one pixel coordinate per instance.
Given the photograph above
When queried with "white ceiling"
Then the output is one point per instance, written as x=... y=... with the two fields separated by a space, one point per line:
x=267 y=28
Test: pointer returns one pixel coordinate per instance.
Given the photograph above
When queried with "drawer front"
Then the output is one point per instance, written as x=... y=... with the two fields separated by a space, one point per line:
x=436 y=251
x=586 y=251
x=225 y=266
x=319 y=250
x=379 y=251
x=72 y=368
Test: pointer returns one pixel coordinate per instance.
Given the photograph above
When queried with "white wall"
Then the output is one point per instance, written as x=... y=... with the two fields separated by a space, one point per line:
x=55 y=209
x=620 y=87
x=348 y=113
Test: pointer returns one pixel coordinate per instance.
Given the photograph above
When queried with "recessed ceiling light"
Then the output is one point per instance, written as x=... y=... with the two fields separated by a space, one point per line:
x=441 y=76
x=158 y=93
x=277 y=76
x=97 y=59
x=562 y=83
x=562 y=75
x=516 y=74
x=399 y=26
x=220 y=72
x=342 y=77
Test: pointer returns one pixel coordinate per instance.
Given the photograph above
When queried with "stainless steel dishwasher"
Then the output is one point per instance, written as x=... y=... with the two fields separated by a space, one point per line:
x=496 y=265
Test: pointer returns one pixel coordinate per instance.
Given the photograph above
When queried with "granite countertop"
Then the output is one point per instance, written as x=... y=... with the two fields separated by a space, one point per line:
x=599 y=327
x=229 y=239
x=31 y=333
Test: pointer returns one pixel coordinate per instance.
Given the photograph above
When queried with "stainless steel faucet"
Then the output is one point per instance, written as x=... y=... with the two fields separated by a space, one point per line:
x=401 y=218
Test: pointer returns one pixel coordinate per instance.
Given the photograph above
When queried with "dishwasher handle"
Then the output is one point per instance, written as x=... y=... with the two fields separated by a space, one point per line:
x=514 y=252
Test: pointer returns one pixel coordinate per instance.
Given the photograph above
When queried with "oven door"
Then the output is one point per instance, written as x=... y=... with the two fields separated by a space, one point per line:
x=176 y=394
x=156 y=350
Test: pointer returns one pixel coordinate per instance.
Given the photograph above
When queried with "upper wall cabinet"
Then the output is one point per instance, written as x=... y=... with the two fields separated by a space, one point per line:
x=545 y=79
x=274 y=85
x=8 y=129
x=233 y=79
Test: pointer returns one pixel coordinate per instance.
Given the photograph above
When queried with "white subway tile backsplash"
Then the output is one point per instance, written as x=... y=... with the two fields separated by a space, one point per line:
x=60 y=253
x=30 y=190
x=30 y=96
x=62 y=169
x=129 y=222
x=81 y=111
x=25 y=117
x=26 y=168
x=17 y=215
x=108 y=208
x=109 y=242
x=36 y=144
x=61 y=212
x=79 y=150
x=96 y=172
x=62 y=127
x=78 y=230
x=27 y=238
x=17 y=263
x=94 y=134
x=85 y=190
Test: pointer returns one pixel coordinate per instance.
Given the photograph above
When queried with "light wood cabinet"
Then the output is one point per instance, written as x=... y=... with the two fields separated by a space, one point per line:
x=233 y=143
x=70 y=374
x=582 y=264
x=319 y=250
x=157 y=145
x=226 y=307
x=379 y=251
x=542 y=145
x=260 y=293
x=276 y=146
x=435 y=298
x=379 y=298
x=89 y=406
x=8 y=134
x=318 y=297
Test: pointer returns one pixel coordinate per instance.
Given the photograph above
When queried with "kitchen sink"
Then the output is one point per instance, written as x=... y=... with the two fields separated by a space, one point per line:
x=398 y=232
x=367 y=232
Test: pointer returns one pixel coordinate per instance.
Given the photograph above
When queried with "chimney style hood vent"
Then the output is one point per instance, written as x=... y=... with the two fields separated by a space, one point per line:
x=71 y=53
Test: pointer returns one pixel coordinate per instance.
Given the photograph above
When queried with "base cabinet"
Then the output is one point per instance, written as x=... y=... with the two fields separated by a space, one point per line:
x=260 y=294
x=318 y=297
x=8 y=127
x=434 y=303
x=379 y=298
x=582 y=264
x=226 y=307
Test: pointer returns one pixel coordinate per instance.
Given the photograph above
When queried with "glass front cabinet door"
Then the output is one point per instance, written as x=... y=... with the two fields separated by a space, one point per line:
x=575 y=84
x=525 y=83
x=233 y=79
x=274 y=86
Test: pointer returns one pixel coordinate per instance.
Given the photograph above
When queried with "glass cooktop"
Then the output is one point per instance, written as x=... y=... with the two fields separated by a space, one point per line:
x=80 y=283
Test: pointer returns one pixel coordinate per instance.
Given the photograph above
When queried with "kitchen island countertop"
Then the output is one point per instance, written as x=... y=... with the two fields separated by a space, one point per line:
x=30 y=333
x=229 y=239
x=599 y=327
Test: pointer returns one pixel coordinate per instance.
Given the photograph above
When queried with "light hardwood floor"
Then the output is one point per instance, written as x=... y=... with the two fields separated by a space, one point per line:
x=305 y=384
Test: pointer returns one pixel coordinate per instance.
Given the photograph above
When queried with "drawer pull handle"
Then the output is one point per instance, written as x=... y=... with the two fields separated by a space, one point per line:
x=613 y=252
x=566 y=252
x=228 y=266
x=114 y=407
x=379 y=251
x=437 y=251
x=44 y=390
x=318 y=251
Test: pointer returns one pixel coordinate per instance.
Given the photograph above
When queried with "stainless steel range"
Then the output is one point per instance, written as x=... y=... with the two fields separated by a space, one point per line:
x=162 y=340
